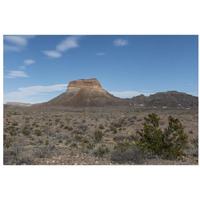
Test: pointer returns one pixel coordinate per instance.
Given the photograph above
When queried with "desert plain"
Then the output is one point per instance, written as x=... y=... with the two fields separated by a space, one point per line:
x=70 y=136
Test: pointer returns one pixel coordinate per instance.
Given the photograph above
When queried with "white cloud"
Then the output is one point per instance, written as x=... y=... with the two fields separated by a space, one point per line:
x=100 y=54
x=16 y=42
x=33 y=94
x=120 y=42
x=65 y=45
x=12 y=48
x=68 y=43
x=52 y=54
x=29 y=62
x=129 y=94
x=43 y=89
x=16 y=74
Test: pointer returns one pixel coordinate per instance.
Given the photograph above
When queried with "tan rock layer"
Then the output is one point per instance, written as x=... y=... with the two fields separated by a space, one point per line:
x=85 y=83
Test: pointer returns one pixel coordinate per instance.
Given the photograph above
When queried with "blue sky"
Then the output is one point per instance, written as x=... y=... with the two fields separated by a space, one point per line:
x=38 y=68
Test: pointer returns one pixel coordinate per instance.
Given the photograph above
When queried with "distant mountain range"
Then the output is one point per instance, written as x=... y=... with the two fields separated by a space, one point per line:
x=89 y=93
x=18 y=104
x=168 y=99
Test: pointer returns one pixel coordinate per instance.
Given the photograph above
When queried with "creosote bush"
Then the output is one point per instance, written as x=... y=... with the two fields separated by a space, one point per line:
x=90 y=146
x=38 y=132
x=26 y=131
x=101 y=151
x=98 y=135
x=168 y=143
x=6 y=141
x=124 y=145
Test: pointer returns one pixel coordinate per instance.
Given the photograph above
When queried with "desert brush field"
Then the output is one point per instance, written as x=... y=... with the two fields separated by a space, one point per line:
x=89 y=136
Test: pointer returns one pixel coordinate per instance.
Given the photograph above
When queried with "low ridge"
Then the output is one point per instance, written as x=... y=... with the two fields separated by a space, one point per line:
x=168 y=99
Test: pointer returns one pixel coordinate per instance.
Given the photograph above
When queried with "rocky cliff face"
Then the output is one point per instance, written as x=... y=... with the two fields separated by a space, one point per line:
x=91 y=84
x=85 y=83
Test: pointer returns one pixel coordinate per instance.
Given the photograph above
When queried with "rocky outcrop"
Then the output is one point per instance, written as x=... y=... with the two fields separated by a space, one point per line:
x=85 y=83
x=92 y=84
x=85 y=92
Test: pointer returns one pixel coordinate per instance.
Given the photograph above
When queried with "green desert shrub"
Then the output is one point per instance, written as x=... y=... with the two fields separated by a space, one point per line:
x=15 y=123
x=78 y=138
x=66 y=127
x=124 y=145
x=26 y=131
x=70 y=128
x=101 y=151
x=196 y=147
x=191 y=132
x=113 y=129
x=6 y=141
x=13 y=132
x=38 y=132
x=85 y=140
x=47 y=142
x=195 y=143
x=101 y=127
x=74 y=145
x=82 y=127
x=98 y=135
x=90 y=146
x=168 y=143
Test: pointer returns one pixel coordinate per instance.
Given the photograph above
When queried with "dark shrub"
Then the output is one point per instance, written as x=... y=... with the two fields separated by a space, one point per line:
x=70 y=128
x=82 y=127
x=98 y=135
x=45 y=151
x=124 y=145
x=90 y=146
x=6 y=141
x=26 y=131
x=168 y=143
x=101 y=127
x=78 y=138
x=122 y=137
x=74 y=145
x=101 y=151
x=38 y=132
x=132 y=155
x=113 y=129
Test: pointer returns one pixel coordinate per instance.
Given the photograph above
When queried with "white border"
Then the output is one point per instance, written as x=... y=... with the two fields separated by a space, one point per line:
x=98 y=17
